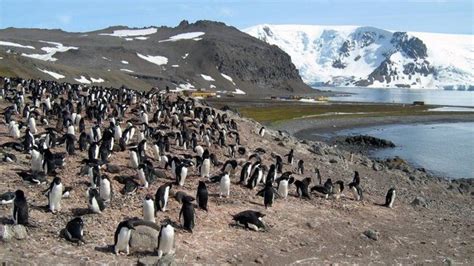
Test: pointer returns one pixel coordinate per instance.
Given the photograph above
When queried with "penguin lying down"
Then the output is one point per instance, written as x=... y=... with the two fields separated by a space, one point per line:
x=251 y=220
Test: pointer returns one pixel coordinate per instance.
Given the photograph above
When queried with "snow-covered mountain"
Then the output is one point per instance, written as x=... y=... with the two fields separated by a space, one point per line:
x=368 y=56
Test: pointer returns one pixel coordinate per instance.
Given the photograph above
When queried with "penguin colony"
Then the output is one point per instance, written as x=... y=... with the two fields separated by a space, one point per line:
x=171 y=142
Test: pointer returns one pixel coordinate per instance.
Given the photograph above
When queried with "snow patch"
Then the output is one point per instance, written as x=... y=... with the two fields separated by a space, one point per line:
x=129 y=39
x=105 y=58
x=51 y=51
x=174 y=65
x=131 y=32
x=127 y=70
x=142 y=38
x=185 y=56
x=228 y=78
x=51 y=73
x=12 y=44
x=158 y=60
x=98 y=80
x=185 y=36
x=206 y=77
x=83 y=80
x=239 y=92
x=212 y=86
x=184 y=87
x=451 y=109
x=124 y=62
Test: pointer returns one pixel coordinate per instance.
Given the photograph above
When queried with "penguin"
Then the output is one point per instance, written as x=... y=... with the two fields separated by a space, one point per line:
x=32 y=125
x=122 y=237
x=300 y=167
x=290 y=156
x=55 y=193
x=20 y=208
x=149 y=209
x=7 y=198
x=255 y=177
x=96 y=204
x=261 y=132
x=70 y=144
x=357 y=192
x=225 y=185
x=142 y=176
x=325 y=189
x=206 y=164
x=245 y=173
x=105 y=188
x=338 y=188
x=390 y=198
x=302 y=188
x=271 y=176
x=180 y=195
x=161 y=197
x=283 y=184
x=268 y=193
x=36 y=161
x=250 y=219
x=166 y=240
x=74 y=231
x=9 y=157
x=181 y=172
x=187 y=211
x=202 y=195
x=134 y=160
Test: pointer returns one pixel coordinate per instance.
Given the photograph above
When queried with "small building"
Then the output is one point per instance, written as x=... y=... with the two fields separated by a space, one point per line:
x=418 y=103
x=203 y=94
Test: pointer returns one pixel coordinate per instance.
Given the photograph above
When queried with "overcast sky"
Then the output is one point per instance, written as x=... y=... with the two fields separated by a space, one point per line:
x=447 y=16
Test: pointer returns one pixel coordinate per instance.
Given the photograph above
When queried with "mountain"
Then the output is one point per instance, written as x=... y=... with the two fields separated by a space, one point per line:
x=201 y=55
x=372 y=57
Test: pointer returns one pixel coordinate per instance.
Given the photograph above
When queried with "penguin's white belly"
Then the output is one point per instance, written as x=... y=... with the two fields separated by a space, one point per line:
x=156 y=152
x=122 y=240
x=165 y=198
x=133 y=159
x=183 y=174
x=260 y=176
x=354 y=192
x=205 y=168
x=149 y=211
x=105 y=190
x=55 y=196
x=166 y=241
x=95 y=206
x=225 y=186
x=283 y=189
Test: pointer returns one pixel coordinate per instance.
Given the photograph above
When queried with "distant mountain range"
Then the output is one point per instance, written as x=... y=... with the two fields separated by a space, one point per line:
x=203 y=55
x=372 y=57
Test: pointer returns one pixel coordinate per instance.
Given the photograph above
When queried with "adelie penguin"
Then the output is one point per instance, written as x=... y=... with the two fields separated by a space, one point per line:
x=390 y=198
x=7 y=198
x=105 y=188
x=166 y=240
x=302 y=188
x=20 y=208
x=325 y=189
x=182 y=172
x=202 y=195
x=250 y=219
x=354 y=186
x=74 y=231
x=283 y=184
x=161 y=197
x=122 y=237
x=149 y=209
x=291 y=157
x=224 y=185
x=55 y=193
x=300 y=167
x=187 y=212
x=96 y=204
x=268 y=193
x=261 y=132
x=206 y=164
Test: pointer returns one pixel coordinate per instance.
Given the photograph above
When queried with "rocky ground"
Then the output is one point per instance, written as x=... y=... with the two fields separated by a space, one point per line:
x=431 y=222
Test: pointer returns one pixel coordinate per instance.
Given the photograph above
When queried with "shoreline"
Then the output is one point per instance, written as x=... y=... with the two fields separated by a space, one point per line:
x=306 y=128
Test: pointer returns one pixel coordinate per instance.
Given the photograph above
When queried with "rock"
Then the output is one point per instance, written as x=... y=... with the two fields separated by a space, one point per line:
x=154 y=260
x=144 y=238
x=19 y=231
x=333 y=161
x=312 y=224
x=8 y=232
x=377 y=166
x=372 y=234
x=412 y=178
x=447 y=262
x=419 y=201
x=259 y=261
x=368 y=141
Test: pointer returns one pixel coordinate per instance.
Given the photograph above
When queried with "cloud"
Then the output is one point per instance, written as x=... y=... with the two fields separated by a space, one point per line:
x=64 y=19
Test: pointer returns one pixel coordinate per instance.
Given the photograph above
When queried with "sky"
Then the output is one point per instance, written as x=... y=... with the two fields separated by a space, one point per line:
x=445 y=16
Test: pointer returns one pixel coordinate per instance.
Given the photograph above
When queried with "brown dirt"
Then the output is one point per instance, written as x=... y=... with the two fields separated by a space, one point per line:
x=316 y=231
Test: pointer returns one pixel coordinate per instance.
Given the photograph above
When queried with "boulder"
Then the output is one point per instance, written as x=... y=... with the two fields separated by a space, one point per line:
x=372 y=234
x=419 y=201
x=144 y=239
x=9 y=232
x=166 y=260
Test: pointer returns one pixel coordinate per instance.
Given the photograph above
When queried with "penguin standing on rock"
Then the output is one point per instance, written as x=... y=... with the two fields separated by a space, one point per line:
x=166 y=240
x=355 y=187
x=261 y=132
x=96 y=204
x=206 y=164
x=187 y=211
x=291 y=157
x=122 y=237
x=202 y=195
x=390 y=198
x=74 y=231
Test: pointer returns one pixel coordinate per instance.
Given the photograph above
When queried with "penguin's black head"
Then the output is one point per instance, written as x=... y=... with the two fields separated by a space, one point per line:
x=201 y=184
x=57 y=180
x=78 y=221
x=148 y=197
x=19 y=194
